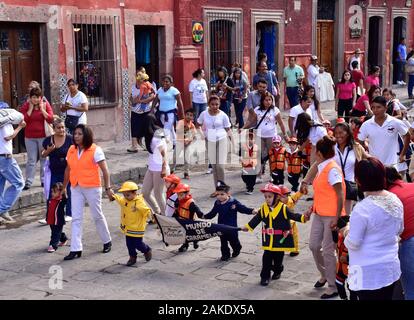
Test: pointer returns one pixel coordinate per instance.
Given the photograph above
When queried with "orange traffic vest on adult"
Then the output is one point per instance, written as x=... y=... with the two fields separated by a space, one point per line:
x=83 y=171
x=277 y=159
x=184 y=209
x=325 y=198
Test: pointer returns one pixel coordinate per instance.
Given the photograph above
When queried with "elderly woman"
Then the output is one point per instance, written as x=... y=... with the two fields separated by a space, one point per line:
x=372 y=235
x=84 y=160
x=141 y=98
x=405 y=192
x=75 y=104
x=36 y=112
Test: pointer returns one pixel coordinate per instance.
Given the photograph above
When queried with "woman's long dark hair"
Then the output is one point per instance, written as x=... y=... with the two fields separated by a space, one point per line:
x=149 y=130
x=315 y=100
x=343 y=76
x=347 y=128
x=302 y=127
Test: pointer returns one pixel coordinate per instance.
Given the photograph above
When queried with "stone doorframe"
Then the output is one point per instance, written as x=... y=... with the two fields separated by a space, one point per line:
x=382 y=13
x=276 y=16
x=395 y=13
x=339 y=34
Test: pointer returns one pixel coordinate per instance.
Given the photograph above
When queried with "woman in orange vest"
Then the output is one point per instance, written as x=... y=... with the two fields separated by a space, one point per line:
x=328 y=207
x=186 y=209
x=84 y=160
x=277 y=160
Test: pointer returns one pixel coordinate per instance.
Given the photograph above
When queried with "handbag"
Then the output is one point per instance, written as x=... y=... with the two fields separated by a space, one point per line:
x=72 y=121
x=351 y=187
x=48 y=129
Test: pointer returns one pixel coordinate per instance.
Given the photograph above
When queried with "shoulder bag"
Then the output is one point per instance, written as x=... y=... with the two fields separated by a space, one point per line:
x=71 y=121
x=351 y=187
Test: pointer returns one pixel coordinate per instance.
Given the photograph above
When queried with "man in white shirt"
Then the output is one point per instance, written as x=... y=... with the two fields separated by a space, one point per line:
x=355 y=57
x=9 y=169
x=313 y=71
x=382 y=132
x=297 y=110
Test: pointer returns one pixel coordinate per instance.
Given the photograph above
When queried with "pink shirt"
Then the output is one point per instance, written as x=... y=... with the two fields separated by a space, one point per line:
x=345 y=90
x=372 y=80
x=359 y=105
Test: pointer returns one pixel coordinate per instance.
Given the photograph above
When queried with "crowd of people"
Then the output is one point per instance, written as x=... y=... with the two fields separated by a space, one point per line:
x=362 y=231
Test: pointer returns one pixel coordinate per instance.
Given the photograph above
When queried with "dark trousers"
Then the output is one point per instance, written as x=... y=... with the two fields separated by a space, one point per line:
x=134 y=244
x=239 y=106
x=294 y=181
x=225 y=107
x=55 y=178
x=379 y=294
x=400 y=70
x=233 y=239
x=410 y=85
x=358 y=113
x=340 y=285
x=278 y=177
x=249 y=180
x=56 y=236
x=293 y=96
x=272 y=261
x=344 y=108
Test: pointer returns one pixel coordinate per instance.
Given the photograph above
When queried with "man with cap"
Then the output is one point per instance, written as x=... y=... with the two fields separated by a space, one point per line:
x=134 y=214
x=355 y=57
x=9 y=169
x=313 y=71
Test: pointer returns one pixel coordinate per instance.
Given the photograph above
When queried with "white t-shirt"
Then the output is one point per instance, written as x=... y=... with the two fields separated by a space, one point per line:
x=6 y=147
x=199 y=90
x=168 y=100
x=383 y=141
x=313 y=72
x=267 y=128
x=98 y=156
x=334 y=175
x=297 y=110
x=349 y=167
x=314 y=113
x=316 y=133
x=214 y=126
x=76 y=102
x=155 y=158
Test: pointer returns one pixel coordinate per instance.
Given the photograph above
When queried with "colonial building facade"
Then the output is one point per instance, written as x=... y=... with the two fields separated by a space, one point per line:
x=102 y=43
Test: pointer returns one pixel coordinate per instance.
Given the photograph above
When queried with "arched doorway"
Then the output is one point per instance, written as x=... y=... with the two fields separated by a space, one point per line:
x=400 y=30
x=266 y=42
x=374 y=41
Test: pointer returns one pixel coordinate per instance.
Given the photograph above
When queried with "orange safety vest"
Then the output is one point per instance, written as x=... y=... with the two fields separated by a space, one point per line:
x=294 y=162
x=277 y=159
x=83 y=171
x=249 y=159
x=325 y=198
x=308 y=151
x=184 y=209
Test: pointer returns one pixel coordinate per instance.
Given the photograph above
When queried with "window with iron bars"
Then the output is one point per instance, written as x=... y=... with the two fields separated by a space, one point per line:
x=224 y=41
x=96 y=41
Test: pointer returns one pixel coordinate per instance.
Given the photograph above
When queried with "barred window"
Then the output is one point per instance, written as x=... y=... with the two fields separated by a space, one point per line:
x=224 y=39
x=96 y=40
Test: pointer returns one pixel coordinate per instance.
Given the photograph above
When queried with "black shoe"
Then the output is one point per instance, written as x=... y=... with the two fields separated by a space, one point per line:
x=107 y=247
x=42 y=185
x=183 y=248
x=72 y=255
x=26 y=187
x=196 y=245
x=236 y=253
x=148 y=255
x=225 y=258
x=264 y=282
x=329 y=296
x=131 y=261
x=293 y=254
x=319 y=284
x=276 y=276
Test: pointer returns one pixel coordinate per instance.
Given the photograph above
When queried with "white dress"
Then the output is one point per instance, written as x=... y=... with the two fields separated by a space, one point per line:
x=324 y=87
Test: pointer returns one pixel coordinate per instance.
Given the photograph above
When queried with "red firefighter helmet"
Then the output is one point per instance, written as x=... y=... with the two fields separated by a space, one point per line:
x=173 y=179
x=284 y=190
x=270 y=187
x=182 y=187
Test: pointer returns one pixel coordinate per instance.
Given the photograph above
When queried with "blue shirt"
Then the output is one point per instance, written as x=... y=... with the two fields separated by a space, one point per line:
x=228 y=212
x=402 y=52
x=269 y=77
x=57 y=158
x=167 y=99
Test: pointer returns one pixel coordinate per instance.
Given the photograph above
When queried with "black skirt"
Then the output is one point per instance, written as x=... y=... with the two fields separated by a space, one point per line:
x=138 y=123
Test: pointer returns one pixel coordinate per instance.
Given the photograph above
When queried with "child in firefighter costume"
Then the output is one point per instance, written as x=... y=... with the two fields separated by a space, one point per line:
x=276 y=232
x=294 y=163
x=186 y=209
x=277 y=160
x=290 y=201
x=249 y=162
x=171 y=182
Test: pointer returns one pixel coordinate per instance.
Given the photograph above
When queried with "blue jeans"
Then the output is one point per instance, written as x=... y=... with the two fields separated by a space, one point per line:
x=400 y=70
x=239 y=107
x=410 y=85
x=293 y=96
x=9 y=171
x=55 y=178
x=198 y=108
x=225 y=107
x=406 y=254
x=134 y=244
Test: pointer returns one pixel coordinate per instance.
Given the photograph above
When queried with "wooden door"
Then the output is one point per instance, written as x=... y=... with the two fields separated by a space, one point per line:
x=20 y=62
x=325 y=44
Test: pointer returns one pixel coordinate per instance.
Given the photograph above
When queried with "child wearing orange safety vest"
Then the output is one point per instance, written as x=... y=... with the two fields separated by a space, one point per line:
x=185 y=208
x=171 y=182
x=290 y=201
x=277 y=160
x=249 y=162
x=294 y=163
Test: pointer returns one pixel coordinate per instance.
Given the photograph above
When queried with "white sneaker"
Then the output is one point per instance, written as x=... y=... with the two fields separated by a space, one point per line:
x=249 y=192
x=51 y=249
x=42 y=221
x=68 y=219
x=403 y=83
x=259 y=180
x=209 y=171
x=6 y=216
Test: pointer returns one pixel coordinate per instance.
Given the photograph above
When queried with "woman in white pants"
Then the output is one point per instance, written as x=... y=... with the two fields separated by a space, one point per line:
x=158 y=167
x=84 y=159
